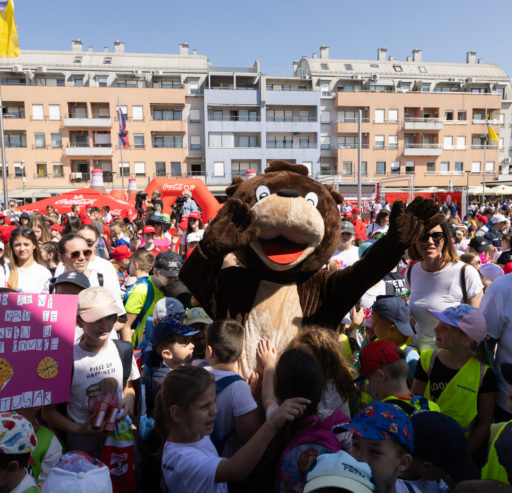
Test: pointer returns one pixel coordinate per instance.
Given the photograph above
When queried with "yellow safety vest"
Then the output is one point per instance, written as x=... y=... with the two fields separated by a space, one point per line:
x=493 y=469
x=459 y=398
x=346 y=350
x=415 y=403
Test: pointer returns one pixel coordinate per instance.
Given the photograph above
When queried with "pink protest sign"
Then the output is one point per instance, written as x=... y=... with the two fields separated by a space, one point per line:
x=37 y=333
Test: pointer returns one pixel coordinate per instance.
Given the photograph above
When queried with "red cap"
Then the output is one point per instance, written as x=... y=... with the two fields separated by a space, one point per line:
x=88 y=221
x=57 y=227
x=148 y=229
x=481 y=218
x=194 y=215
x=121 y=252
x=375 y=355
x=5 y=232
x=507 y=268
x=347 y=214
x=2 y=214
x=356 y=210
x=184 y=223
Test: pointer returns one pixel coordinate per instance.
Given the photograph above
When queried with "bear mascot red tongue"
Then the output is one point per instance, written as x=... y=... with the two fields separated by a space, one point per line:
x=283 y=227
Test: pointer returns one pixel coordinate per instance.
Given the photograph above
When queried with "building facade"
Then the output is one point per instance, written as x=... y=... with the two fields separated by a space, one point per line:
x=422 y=122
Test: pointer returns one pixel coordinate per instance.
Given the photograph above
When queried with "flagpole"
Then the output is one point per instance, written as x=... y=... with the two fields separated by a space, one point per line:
x=485 y=151
x=120 y=147
x=4 y=164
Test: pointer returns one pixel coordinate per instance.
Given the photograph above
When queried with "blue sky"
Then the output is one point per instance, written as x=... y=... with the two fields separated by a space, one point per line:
x=236 y=32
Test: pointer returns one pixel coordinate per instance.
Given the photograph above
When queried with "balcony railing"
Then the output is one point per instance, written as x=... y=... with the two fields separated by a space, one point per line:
x=482 y=146
x=423 y=120
x=289 y=145
x=353 y=120
x=292 y=119
x=352 y=146
x=79 y=177
x=234 y=119
x=423 y=146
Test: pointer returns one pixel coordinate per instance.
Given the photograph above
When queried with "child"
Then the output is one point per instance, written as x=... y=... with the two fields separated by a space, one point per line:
x=237 y=412
x=441 y=454
x=385 y=367
x=391 y=321
x=17 y=442
x=185 y=415
x=455 y=376
x=121 y=255
x=102 y=373
x=383 y=437
x=198 y=319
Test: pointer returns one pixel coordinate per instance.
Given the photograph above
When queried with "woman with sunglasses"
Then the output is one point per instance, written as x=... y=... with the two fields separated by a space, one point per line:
x=195 y=225
x=438 y=280
x=161 y=240
x=27 y=273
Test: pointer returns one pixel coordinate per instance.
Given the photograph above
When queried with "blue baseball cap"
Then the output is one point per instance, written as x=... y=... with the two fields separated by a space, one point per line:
x=467 y=318
x=383 y=421
x=166 y=327
x=169 y=307
x=396 y=310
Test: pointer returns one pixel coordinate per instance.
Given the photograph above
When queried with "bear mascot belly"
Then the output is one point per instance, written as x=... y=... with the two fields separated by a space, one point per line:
x=283 y=227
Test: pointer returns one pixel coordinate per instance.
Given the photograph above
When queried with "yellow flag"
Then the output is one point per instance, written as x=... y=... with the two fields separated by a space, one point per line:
x=9 y=46
x=490 y=131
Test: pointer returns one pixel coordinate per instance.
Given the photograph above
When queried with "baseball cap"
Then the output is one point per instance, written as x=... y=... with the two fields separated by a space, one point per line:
x=168 y=327
x=56 y=227
x=439 y=439
x=498 y=218
x=16 y=434
x=168 y=264
x=465 y=317
x=197 y=315
x=88 y=221
x=396 y=310
x=507 y=268
x=194 y=215
x=481 y=218
x=364 y=247
x=121 y=252
x=186 y=192
x=347 y=227
x=339 y=470
x=479 y=244
x=156 y=218
x=5 y=232
x=375 y=355
x=491 y=272
x=194 y=236
x=184 y=223
x=96 y=302
x=73 y=277
x=24 y=215
x=78 y=472
x=356 y=210
x=148 y=229
x=382 y=421
x=169 y=307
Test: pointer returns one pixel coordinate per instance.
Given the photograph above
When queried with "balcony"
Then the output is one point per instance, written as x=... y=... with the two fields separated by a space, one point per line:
x=79 y=177
x=83 y=122
x=433 y=124
x=423 y=150
x=293 y=98
x=85 y=151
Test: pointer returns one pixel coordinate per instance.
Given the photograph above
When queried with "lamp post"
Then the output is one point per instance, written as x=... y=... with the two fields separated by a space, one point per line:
x=468 y=172
x=23 y=178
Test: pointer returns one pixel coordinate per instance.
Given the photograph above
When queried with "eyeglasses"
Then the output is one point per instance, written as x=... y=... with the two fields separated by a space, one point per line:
x=76 y=255
x=22 y=231
x=436 y=237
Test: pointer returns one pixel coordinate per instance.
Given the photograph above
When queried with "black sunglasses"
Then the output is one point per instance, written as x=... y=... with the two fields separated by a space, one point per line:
x=76 y=255
x=436 y=237
x=90 y=243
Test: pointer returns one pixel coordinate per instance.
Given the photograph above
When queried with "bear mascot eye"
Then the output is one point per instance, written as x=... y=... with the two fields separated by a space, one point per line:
x=261 y=192
x=312 y=198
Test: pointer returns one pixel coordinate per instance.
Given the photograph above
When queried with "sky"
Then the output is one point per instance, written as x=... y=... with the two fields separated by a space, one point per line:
x=237 y=32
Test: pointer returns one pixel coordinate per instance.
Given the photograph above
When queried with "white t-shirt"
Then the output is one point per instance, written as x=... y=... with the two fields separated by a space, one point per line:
x=4 y=274
x=26 y=483
x=437 y=291
x=235 y=400
x=497 y=310
x=183 y=240
x=34 y=279
x=347 y=257
x=192 y=467
x=375 y=228
x=97 y=377
x=401 y=487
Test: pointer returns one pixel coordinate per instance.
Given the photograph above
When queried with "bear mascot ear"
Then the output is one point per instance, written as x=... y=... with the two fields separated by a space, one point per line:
x=237 y=181
x=338 y=198
x=277 y=165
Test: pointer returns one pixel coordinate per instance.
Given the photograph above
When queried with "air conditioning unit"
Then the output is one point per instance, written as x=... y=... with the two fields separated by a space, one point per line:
x=137 y=72
x=452 y=79
x=469 y=79
x=375 y=77
x=16 y=68
x=41 y=69
x=357 y=77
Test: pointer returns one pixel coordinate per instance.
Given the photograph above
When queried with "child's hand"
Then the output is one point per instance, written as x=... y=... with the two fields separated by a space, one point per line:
x=267 y=354
x=357 y=316
x=87 y=428
x=289 y=410
x=127 y=406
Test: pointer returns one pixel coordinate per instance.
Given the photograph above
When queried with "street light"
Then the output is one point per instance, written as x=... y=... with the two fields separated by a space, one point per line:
x=23 y=178
x=468 y=172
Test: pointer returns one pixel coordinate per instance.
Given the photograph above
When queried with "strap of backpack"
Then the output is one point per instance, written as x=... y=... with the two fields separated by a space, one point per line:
x=404 y=406
x=101 y=279
x=409 y=275
x=432 y=361
x=51 y=286
x=149 y=300
x=125 y=353
x=224 y=382
x=463 y=283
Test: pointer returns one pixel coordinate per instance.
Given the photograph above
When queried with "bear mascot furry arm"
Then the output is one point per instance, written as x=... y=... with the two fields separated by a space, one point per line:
x=284 y=227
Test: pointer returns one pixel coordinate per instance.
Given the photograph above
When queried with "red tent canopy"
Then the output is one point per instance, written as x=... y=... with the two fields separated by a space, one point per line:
x=85 y=197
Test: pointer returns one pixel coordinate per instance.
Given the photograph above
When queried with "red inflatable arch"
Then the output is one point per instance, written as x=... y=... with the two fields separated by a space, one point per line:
x=172 y=188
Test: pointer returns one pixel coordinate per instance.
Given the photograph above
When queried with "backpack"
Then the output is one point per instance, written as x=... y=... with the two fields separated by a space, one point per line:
x=149 y=300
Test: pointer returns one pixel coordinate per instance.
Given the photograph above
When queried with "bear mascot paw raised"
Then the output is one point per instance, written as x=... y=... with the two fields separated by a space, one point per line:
x=283 y=227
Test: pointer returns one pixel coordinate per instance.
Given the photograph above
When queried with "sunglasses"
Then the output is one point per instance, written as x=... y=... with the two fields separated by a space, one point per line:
x=76 y=255
x=90 y=243
x=436 y=237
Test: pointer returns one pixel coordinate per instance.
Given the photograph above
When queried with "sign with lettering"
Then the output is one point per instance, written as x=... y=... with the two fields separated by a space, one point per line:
x=37 y=333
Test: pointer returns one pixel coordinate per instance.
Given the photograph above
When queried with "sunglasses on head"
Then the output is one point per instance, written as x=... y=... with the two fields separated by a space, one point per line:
x=76 y=255
x=436 y=237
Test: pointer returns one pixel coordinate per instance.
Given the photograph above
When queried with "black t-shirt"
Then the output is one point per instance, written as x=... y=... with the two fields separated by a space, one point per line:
x=441 y=376
x=505 y=257
x=395 y=284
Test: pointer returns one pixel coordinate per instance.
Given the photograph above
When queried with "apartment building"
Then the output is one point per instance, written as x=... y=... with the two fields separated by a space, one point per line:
x=422 y=122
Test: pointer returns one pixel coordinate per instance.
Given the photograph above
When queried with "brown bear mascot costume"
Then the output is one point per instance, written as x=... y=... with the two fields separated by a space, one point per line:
x=283 y=227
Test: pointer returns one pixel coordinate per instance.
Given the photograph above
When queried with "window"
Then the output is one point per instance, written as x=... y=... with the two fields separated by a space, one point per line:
x=124 y=169
x=445 y=167
x=395 y=167
x=42 y=170
x=458 y=166
x=347 y=116
x=325 y=88
x=461 y=142
x=404 y=86
x=304 y=142
x=19 y=170
x=374 y=65
x=56 y=141
x=107 y=60
x=54 y=112
x=175 y=169
x=324 y=66
x=448 y=115
x=489 y=166
x=160 y=168
x=246 y=141
x=422 y=69
x=40 y=141
x=217 y=115
x=347 y=141
x=15 y=139
x=195 y=116
x=431 y=168
x=325 y=117
x=76 y=80
x=218 y=168
x=381 y=167
x=393 y=116
x=195 y=142
x=502 y=118
x=409 y=167
x=140 y=168
x=137 y=113
x=124 y=109
x=325 y=142
x=462 y=116
x=138 y=141
x=287 y=87
x=37 y=112
x=425 y=87
x=398 y=68
x=101 y=80
x=393 y=141
x=102 y=139
x=379 y=142
x=364 y=168
x=167 y=141
x=475 y=167
x=448 y=142
x=348 y=66
x=77 y=59
x=193 y=85
x=346 y=168
x=379 y=116
x=167 y=114
x=58 y=170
